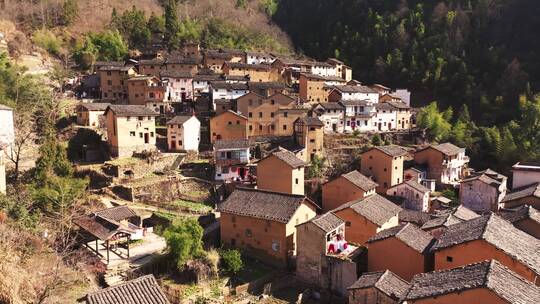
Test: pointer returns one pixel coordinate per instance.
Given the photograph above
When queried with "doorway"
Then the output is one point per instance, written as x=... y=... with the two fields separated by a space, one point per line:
x=242 y=172
x=146 y=138
x=334 y=127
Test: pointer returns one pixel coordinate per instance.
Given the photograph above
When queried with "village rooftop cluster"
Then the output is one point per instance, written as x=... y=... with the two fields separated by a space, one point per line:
x=379 y=233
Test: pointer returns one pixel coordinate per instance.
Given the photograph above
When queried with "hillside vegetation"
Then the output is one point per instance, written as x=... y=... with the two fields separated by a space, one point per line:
x=477 y=58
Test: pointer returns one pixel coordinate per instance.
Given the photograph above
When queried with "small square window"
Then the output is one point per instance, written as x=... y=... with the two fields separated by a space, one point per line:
x=449 y=259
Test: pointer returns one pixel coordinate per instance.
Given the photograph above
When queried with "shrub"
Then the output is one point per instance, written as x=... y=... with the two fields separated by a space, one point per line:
x=231 y=261
x=376 y=140
x=184 y=241
x=48 y=41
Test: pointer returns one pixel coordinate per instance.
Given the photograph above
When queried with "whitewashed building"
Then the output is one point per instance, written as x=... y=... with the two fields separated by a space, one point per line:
x=358 y=115
x=7 y=138
x=323 y=69
x=386 y=117
x=331 y=114
x=259 y=57
x=179 y=85
x=483 y=191
x=414 y=195
x=225 y=90
x=232 y=160
x=525 y=174
x=353 y=92
x=183 y=133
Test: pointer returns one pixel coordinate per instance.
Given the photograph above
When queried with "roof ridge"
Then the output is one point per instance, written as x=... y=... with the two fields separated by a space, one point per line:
x=272 y=192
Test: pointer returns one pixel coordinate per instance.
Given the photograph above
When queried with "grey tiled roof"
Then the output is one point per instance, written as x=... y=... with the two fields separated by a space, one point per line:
x=386 y=281
x=522 y=192
x=175 y=74
x=178 y=120
x=231 y=144
x=522 y=213
x=487 y=176
x=409 y=234
x=229 y=86
x=118 y=213
x=374 y=208
x=332 y=106
x=413 y=216
x=358 y=179
x=289 y=158
x=143 y=290
x=92 y=106
x=450 y=217
x=240 y=65
x=418 y=187
x=491 y=275
x=392 y=150
x=354 y=89
x=131 y=110
x=397 y=104
x=262 y=204
x=310 y=121
x=499 y=233
x=327 y=222
x=447 y=148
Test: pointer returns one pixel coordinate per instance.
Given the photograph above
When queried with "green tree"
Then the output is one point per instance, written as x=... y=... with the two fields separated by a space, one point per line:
x=376 y=140
x=133 y=26
x=231 y=260
x=316 y=167
x=156 y=24
x=70 y=12
x=172 y=26
x=184 y=241
x=432 y=119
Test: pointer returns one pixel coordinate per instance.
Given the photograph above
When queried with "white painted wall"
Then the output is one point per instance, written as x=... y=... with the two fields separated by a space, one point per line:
x=413 y=199
x=524 y=178
x=192 y=131
x=372 y=97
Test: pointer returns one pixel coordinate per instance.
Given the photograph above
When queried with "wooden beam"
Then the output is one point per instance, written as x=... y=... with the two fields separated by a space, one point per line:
x=107 y=245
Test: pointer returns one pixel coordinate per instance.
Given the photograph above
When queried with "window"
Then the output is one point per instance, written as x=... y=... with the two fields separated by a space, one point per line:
x=284 y=127
x=296 y=181
x=248 y=233
x=386 y=185
x=260 y=114
x=250 y=127
x=348 y=223
x=370 y=168
x=132 y=133
x=230 y=123
x=225 y=170
x=140 y=135
x=180 y=142
x=250 y=114
x=272 y=114
x=109 y=82
x=384 y=169
x=238 y=122
x=449 y=259
x=260 y=128
x=275 y=246
x=285 y=114
x=151 y=134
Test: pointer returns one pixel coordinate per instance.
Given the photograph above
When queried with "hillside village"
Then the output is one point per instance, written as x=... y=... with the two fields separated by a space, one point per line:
x=322 y=187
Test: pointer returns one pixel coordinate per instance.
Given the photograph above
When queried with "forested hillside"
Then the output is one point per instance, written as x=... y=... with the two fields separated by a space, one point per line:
x=475 y=56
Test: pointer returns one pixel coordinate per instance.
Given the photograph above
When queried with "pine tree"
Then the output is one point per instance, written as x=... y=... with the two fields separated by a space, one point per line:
x=172 y=26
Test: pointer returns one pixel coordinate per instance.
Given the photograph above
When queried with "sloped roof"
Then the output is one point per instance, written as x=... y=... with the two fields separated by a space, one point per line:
x=354 y=89
x=175 y=59
x=418 y=187
x=532 y=190
x=391 y=150
x=355 y=102
x=497 y=232
x=488 y=274
x=522 y=213
x=6 y=108
x=231 y=144
x=131 y=110
x=92 y=106
x=178 y=120
x=386 y=281
x=323 y=78
x=310 y=121
x=374 y=208
x=262 y=204
x=397 y=104
x=240 y=65
x=448 y=149
x=332 y=105
x=175 y=74
x=413 y=216
x=450 y=217
x=326 y=222
x=289 y=158
x=487 y=176
x=409 y=234
x=358 y=179
x=143 y=290
x=229 y=86
x=118 y=213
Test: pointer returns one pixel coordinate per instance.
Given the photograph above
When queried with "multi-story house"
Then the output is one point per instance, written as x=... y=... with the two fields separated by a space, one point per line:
x=7 y=138
x=308 y=133
x=324 y=258
x=226 y=90
x=386 y=117
x=175 y=63
x=384 y=165
x=151 y=67
x=201 y=83
x=263 y=223
x=367 y=216
x=281 y=171
x=183 y=133
x=347 y=187
x=113 y=82
x=285 y=118
x=524 y=218
x=359 y=115
x=525 y=174
x=353 y=92
x=324 y=69
x=228 y=125
x=483 y=282
x=256 y=72
x=379 y=287
x=485 y=238
x=259 y=58
x=290 y=69
x=445 y=162
x=483 y=191
x=149 y=91
x=389 y=248
x=413 y=195
x=179 y=85
x=331 y=114
x=231 y=160
x=130 y=128
x=382 y=90
x=342 y=70
x=268 y=88
x=214 y=59
x=315 y=88
x=90 y=114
